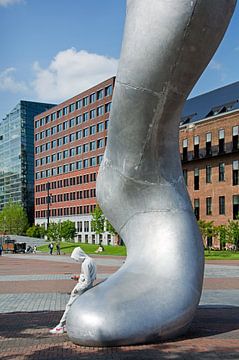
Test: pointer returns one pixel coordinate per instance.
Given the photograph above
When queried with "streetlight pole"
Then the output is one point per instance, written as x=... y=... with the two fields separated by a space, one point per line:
x=48 y=200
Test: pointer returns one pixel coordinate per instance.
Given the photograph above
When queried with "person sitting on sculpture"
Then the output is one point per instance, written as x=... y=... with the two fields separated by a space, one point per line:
x=84 y=282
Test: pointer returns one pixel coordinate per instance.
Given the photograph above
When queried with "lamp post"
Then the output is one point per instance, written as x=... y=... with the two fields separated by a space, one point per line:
x=48 y=200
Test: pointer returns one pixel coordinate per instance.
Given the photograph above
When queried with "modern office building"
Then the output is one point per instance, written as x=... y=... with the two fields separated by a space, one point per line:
x=70 y=140
x=17 y=155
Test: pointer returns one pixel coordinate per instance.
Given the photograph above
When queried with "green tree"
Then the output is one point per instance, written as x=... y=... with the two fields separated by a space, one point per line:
x=98 y=221
x=53 y=232
x=67 y=230
x=13 y=219
x=207 y=229
x=36 y=231
x=232 y=233
x=221 y=232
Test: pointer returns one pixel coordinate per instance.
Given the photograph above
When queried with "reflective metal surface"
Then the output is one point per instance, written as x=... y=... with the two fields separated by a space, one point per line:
x=166 y=46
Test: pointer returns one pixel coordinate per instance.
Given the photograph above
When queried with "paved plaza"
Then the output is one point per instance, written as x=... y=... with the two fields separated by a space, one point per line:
x=35 y=288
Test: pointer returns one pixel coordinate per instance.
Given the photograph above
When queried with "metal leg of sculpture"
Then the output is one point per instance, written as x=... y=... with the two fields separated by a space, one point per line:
x=140 y=187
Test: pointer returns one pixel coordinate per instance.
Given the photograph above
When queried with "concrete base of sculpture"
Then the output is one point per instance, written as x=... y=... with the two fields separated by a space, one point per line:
x=140 y=187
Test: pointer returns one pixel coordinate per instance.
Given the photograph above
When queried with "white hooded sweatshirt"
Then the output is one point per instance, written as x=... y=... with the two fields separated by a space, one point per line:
x=88 y=268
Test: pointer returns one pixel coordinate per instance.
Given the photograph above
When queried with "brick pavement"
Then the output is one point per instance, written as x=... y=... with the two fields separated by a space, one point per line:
x=214 y=333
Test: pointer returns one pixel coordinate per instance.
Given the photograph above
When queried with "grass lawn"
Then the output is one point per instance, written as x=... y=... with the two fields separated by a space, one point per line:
x=221 y=255
x=67 y=248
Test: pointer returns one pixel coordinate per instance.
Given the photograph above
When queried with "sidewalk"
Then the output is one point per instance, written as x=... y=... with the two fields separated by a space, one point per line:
x=28 y=309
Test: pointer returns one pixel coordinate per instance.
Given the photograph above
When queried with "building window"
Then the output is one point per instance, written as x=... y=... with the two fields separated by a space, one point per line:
x=86 y=226
x=208 y=206
x=235 y=206
x=100 y=143
x=86 y=163
x=185 y=176
x=72 y=122
x=92 y=114
x=79 y=104
x=100 y=127
x=85 y=132
x=92 y=145
x=209 y=144
x=235 y=172
x=196 y=179
x=72 y=107
x=78 y=134
x=85 y=116
x=92 y=130
x=78 y=119
x=99 y=159
x=221 y=144
x=79 y=150
x=85 y=101
x=85 y=148
x=235 y=143
x=208 y=174
x=107 y=107
x=79 y=165
x=185 y=149
x=93 y=161
x=221 y=172
x=221 y=205
x=108 y=90
x=106 y=124
x=100 y=94
x=65 y=110
x=196 y=141
x=197 y=208
x=59 y=113
x=65 y=125
x=53 y=116
x=92 y=98
x=100 y=110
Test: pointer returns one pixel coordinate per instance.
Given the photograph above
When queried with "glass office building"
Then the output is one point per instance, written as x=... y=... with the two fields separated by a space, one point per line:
x=17 y=155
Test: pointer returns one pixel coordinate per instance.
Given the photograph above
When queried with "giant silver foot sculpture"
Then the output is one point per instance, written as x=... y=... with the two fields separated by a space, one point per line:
x=167 y=44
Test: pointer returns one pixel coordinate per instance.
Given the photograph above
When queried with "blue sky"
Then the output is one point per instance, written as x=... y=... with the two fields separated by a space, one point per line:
x=54 y=49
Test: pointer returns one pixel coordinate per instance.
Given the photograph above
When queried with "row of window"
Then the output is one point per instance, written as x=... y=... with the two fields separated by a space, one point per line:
x=73 y=210
x=72 y=122
x=221 y=174
x=208 y=143
x=59 y=184
x=80 y=103
x=221 y=206
x=66 y=168
x=78 y=150
x=89 y=131
x=76 y=195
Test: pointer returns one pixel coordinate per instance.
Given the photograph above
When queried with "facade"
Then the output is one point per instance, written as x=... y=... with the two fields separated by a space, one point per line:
x=17 y=155
x=70 y=140
x=209 y=147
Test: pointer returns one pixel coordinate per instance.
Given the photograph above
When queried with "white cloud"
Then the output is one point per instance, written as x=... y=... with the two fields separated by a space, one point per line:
x=5 y=3
x=9 y=83
x=214 y=65
x=71 y=72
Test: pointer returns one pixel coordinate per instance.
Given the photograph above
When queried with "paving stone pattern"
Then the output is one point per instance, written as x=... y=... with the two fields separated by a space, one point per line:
x=26 y=316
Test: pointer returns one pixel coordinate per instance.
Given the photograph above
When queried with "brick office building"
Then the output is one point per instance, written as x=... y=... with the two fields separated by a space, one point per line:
x=70 y=140
x=209 y=148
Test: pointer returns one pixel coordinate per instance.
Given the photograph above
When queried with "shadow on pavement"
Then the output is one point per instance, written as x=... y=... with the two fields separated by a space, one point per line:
x=26 y=336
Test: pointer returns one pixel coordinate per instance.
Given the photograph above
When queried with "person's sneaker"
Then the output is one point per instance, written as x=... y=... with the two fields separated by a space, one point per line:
x=57 y=330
